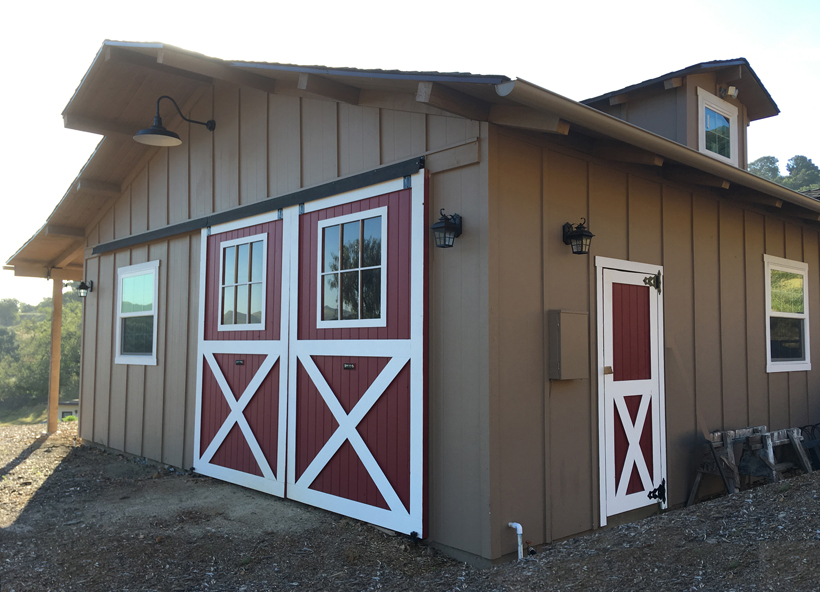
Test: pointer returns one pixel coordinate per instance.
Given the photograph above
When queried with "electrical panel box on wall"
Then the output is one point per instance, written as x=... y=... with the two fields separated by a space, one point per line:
x=568 y=345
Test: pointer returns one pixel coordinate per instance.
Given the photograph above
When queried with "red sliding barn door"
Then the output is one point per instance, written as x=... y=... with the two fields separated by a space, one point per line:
x=356 y=398
x=241 y=409
x=633 y=398
x=311 y=353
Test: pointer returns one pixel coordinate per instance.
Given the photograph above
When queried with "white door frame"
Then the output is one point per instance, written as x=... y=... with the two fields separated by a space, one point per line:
x=602 y=263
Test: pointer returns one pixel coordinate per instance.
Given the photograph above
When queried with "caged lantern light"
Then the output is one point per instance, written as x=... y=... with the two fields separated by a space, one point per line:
x=83 y=289
x=579 y=238
x=157 y=135
x=446 y=230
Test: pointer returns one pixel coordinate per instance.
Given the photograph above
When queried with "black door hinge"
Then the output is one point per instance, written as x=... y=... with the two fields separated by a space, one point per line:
x=654 y=281
x=659 y=493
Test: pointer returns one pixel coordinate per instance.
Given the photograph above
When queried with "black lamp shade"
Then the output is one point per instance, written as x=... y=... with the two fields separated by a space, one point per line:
x=578 y=238
x=83 y=289
x=446 y=230
x=157 y=135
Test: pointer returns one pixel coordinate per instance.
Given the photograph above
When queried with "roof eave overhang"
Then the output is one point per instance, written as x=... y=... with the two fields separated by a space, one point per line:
x=535 y=97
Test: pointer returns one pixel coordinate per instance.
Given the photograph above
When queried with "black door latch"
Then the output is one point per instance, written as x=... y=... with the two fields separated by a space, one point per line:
x=659 y=493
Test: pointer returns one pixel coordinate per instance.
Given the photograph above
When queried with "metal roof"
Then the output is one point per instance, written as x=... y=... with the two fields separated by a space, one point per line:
x=760 y=106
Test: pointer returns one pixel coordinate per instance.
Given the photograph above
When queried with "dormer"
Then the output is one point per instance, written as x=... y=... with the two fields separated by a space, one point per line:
x=706 y=107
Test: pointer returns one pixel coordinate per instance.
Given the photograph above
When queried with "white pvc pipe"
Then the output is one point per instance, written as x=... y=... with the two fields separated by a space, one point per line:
x=520 y=532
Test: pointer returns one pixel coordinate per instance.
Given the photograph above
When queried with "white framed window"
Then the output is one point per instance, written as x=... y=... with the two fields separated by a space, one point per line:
x=352 y=270
x=243 y=265
x=137 y=295
x=787 y=315
x=717 y=127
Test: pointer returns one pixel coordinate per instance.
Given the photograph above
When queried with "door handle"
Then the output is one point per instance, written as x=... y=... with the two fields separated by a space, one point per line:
x=608 y=370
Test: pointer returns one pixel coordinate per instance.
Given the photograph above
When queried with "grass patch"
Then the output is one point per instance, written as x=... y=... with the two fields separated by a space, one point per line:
x=37 y=413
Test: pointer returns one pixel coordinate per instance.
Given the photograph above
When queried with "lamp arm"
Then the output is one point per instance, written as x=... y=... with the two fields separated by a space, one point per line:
x=210 y=124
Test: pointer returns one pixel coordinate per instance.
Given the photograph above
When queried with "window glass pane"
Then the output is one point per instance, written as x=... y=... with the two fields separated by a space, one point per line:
x=138 y=293
x=787 y=291
x=350 y=245
x=350 y=295
x=330 y=260
x=229 y=266
x=228 y=305
x=372 y=242
x=256 y=303
x=242 y=305
x=717 y=133
x=137 y=335
x=330 y=297
x=242 y=263
x=371 y=293
x=786 y=339
x=256 y=261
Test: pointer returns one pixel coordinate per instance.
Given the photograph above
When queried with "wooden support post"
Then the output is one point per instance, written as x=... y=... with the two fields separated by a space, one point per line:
x=56 y=332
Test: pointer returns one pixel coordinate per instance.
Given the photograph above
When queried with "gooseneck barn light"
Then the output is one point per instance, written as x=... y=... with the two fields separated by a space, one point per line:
x=446 y=230
x=579 y=238
x=83 y=289
x=157 y=135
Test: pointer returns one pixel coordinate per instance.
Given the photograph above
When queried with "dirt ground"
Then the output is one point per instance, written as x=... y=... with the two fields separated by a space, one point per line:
x=80 y=519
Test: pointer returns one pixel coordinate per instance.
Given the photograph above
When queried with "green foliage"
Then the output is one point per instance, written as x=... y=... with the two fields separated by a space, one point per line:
x=25 y=415
x=766 y=167
x=25 y=353
x=803 y=175
x=9 y=312
x=69 y=418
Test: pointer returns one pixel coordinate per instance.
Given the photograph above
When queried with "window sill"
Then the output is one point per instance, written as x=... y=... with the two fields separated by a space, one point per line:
x=773 y=367
x=136 y=360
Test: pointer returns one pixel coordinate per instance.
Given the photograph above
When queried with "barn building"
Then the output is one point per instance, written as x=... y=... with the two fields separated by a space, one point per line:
x=267 y=304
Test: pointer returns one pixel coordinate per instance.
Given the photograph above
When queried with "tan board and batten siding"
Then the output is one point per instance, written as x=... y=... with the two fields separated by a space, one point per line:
x=544 y=436
x=504 y=443
x=265 y=146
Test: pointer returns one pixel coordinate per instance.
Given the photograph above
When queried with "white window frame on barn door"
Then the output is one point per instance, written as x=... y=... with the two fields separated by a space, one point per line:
x=352 y=323
x=798 y=268
x=138 y=269
x=247 y=240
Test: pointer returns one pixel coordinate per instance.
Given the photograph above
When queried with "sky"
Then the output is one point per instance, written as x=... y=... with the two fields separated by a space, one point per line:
x=577 y=49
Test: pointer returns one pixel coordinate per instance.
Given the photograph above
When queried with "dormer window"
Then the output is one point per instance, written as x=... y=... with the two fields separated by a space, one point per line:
x=717 y=127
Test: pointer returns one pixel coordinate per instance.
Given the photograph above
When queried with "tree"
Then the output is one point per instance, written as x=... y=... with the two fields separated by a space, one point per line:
x=9 y=312
x=25 y=353
x=802 y=173
x=766 y=167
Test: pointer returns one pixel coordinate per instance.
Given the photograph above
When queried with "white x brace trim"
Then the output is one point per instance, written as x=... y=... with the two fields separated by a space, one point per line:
x=236 y=416
x=347 y=428
x=634 y=454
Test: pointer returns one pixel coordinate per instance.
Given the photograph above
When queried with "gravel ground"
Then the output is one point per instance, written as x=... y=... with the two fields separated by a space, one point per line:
x=75 y=518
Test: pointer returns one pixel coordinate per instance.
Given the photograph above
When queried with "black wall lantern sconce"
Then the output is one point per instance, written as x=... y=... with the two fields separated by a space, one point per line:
x=83 y=289
x=157 y=135
x=446 y=230
x=579 y=238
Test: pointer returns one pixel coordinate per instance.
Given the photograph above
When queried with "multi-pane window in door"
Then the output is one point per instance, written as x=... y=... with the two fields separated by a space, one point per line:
x=352 y=270
x=242 y=272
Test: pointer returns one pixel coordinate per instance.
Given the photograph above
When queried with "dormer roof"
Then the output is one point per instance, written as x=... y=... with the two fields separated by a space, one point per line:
x=737 y=72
